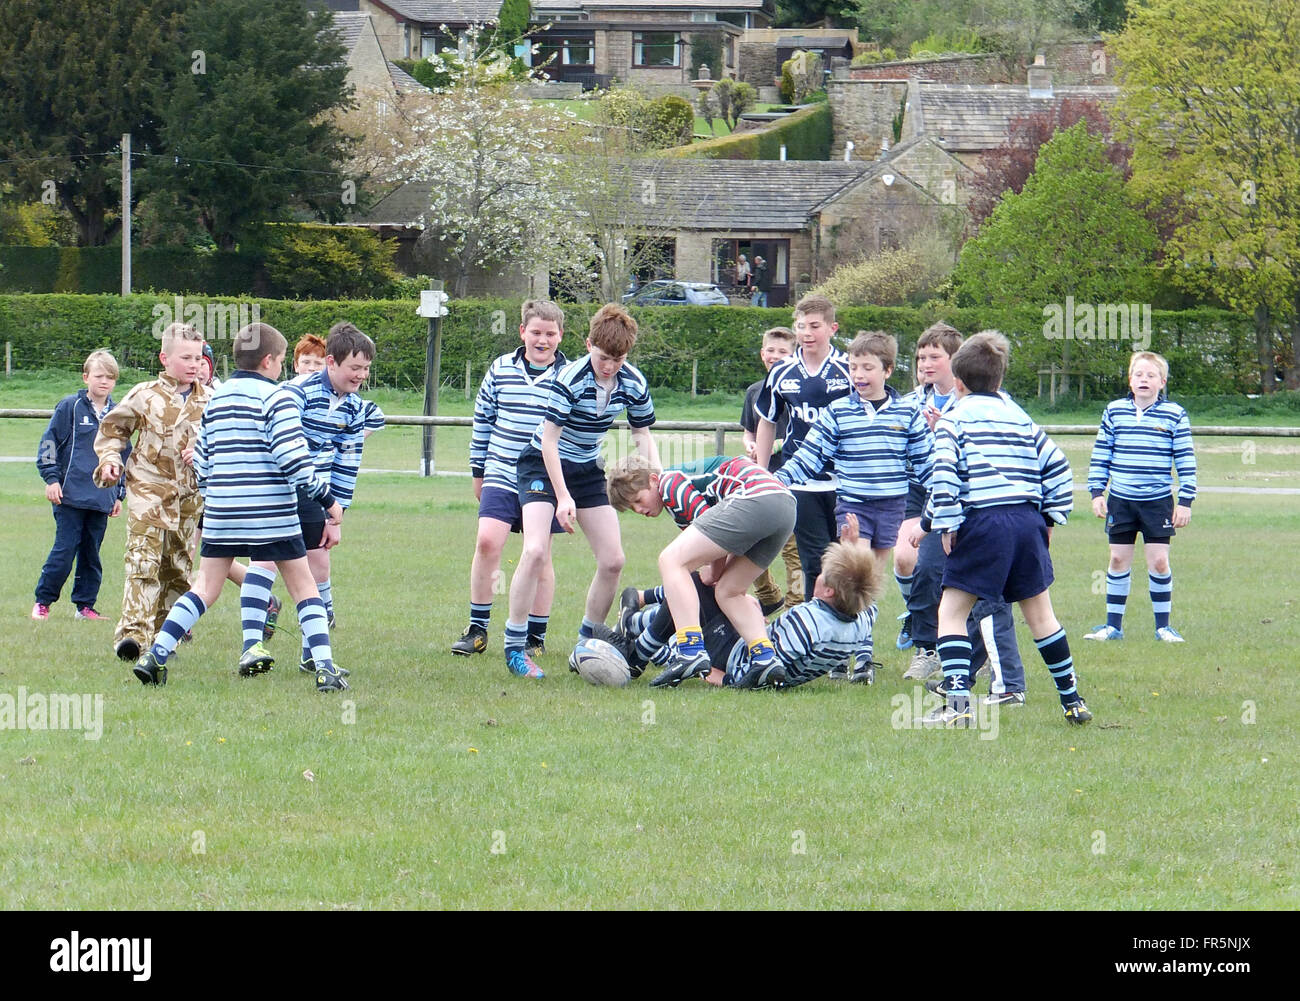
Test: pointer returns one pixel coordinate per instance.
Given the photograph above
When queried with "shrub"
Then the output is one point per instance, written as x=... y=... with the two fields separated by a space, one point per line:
x=671 y=120
x=806 y=134
x=320 y=262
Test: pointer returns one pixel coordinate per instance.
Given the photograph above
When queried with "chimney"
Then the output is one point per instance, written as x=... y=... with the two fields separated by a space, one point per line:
x=1040 y=78
x=884 y=149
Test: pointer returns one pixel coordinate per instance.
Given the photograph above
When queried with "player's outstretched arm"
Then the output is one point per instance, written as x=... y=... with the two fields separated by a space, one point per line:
x=645 y=444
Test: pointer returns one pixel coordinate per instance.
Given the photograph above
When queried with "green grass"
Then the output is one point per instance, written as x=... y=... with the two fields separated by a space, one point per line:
x=638 y=798
x=586 y=111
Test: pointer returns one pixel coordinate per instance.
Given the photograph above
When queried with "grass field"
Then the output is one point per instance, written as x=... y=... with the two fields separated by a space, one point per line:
x=586 y=111
x=441 y=782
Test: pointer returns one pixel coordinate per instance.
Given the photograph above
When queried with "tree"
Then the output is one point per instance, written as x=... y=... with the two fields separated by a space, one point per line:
x=1009 y=166
x=249 y=121
x=803 y=13
x=491 y=162
x=1207 y=99
x=730 y=100
x=1071 y=232
x=512 y=22
x=75 y=75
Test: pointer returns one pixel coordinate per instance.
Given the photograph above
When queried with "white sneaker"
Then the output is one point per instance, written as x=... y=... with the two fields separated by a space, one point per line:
x=924 y=664
x=1168 y=634
x=1107 y=633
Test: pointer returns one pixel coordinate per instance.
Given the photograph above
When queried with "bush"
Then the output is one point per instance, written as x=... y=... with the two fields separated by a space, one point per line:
x=934 y=44
x=890 y=278
x=323 y=262
x=1210 y=352
x=672 y=120
x=90 y=270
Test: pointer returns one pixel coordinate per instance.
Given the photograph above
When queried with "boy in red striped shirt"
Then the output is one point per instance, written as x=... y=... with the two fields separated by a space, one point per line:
x=734 y=519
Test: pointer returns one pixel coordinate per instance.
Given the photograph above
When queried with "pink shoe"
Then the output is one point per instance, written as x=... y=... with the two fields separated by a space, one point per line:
x=89 y=613
x=40 y=612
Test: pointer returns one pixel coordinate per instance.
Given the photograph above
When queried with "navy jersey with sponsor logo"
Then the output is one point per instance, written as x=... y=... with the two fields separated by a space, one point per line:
x=793 y=389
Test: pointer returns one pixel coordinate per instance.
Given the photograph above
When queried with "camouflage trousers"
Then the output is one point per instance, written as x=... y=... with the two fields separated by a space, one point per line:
x=766 y=588
x=158 y=564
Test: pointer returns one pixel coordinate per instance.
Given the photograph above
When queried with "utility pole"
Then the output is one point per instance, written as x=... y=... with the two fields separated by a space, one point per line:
x=126 y=214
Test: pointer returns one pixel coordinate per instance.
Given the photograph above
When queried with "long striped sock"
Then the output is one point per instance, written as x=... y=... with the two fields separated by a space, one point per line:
x=314 y=623
x=585 y=630
x=638 y=622
x=954 y=654
x=1162 y=596
x=537 y=627
x=180 y=620
x=516 y=635
x=480 y=615
x=1117 y=589
x=904 y=585
x=326 y=596
x=1055 y=651
x=654 y=595
x=254 y=595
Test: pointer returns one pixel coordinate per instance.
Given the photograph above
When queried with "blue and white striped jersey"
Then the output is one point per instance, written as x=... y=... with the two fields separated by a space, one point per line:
x=927 y=396
x=250 y=458
x=575 y=404
x=507 y=410
x=791 y=388
x=987 y=453
x=870 y=450
x=1136 y=451
x=813 y=639
x=335 y=428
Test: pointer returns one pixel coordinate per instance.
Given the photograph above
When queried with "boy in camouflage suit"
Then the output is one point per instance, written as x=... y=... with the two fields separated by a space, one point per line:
x=162 y=496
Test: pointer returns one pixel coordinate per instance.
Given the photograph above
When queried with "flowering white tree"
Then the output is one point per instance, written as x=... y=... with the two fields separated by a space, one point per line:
x=490 y=158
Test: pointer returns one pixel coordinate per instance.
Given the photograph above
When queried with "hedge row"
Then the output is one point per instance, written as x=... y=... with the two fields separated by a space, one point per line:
x=806 y=135
x=1209 y=351
x=99 y=269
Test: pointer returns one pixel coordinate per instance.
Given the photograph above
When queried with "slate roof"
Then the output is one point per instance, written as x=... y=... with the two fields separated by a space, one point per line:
x=348 y=26
x=694 y=194
x=971 y=118
x=448 y=11
x=655 y=4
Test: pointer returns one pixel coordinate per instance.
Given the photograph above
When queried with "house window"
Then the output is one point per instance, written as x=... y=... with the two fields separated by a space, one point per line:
x=888 y=239
x=432 y=42
x=708 y=15
x=739 y=20
x=656 y=48
x=554 y=52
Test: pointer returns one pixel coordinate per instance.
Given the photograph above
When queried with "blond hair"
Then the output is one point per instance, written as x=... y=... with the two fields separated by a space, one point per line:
x=627 y=478
x=541 y=309
x=104 y=360
x=851 y=571
x=779 y=334
x=818 y=304
x=1157 y=360
x=179 y=332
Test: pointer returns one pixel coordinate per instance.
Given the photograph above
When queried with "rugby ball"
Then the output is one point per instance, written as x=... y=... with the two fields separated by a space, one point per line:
x=600 y=663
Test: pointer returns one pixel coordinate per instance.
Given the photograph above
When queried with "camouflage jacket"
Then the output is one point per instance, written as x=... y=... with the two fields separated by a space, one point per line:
x=161 y=489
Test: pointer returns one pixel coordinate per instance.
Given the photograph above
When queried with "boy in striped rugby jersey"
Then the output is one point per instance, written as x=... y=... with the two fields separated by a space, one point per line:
x=734 y=520
x=249 y=457
x=809 y=639
x=515 y=390
x=560 y=478
x=1140 y=439
x=335 y=422
x=999 y=484
x=873 y=439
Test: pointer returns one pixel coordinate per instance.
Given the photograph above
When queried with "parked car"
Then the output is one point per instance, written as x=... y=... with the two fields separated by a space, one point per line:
x=675 y=293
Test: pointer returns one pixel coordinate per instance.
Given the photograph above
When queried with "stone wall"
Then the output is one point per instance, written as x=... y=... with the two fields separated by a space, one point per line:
x=758 y=63
x=863 y=111
x=870 y=217
x=1078 y=63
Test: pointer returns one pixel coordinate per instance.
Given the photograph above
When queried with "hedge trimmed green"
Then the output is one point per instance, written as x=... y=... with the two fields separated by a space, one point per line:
x=90 y=270
x=806 y=135
x=1210 y=352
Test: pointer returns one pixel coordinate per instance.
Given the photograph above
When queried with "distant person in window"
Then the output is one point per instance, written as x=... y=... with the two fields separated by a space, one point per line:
x=762 y=281
x=744 y=273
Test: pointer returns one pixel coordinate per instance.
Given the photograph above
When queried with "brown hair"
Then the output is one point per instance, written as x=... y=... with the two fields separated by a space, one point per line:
x=851 y=571
x=613 y=330
x=627 y=478
x=875 y=342
x=779 y=334
x=253 y=343
x=345 y=340
x=981 y=363
x=940 y=335
x=179 y=332
x=103 y=359
x=308 y=344
x=815 y=304
x=541 y=309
